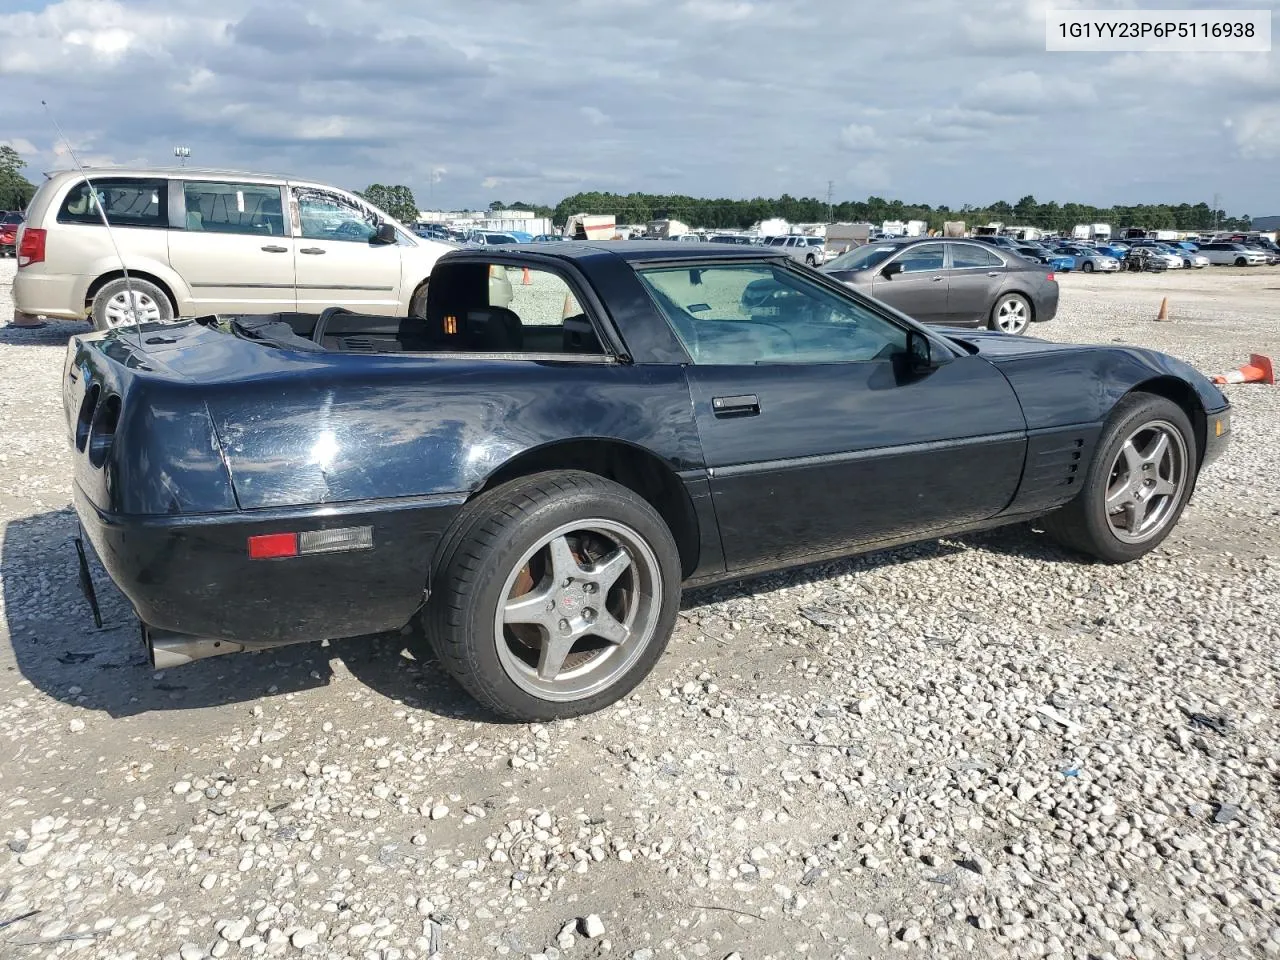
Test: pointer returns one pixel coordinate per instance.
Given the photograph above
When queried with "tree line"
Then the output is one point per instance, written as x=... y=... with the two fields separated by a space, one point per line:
x=724 y=213
x=15 y=190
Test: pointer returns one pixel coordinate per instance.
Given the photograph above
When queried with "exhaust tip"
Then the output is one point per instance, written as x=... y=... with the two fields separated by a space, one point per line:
x=168 y=649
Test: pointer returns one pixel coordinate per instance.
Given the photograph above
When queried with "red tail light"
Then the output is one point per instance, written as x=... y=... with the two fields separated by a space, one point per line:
x=269 y=546
x=31 y=249
x=1049 y=276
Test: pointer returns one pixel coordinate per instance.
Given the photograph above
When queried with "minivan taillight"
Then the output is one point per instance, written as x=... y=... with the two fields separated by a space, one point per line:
x=31 y=249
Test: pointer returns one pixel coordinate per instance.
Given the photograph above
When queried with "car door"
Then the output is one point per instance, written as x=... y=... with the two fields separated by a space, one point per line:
x=975 y=274
x=338 y=261
x=230 y=242
x=816 y=436
x=915 y=282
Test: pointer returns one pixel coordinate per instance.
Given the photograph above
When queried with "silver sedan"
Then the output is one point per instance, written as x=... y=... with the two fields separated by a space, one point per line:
x=1090 y=260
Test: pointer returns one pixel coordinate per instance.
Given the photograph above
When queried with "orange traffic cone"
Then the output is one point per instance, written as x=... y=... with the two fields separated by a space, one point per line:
x=1164 y=309
x=1259 y=369
x=526 y=281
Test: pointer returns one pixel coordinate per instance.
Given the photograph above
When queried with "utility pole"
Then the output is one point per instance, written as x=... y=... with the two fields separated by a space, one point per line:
x=830 y=187
x=182 y=153
x=1217 y=199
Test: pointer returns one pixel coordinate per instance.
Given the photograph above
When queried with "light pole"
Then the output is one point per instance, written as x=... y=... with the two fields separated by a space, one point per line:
x=182 y=153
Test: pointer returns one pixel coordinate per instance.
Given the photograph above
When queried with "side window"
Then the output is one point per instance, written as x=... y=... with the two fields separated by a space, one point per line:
x=965 y=255
x=496 y=308
x=128 y=202
x=326 y=215
x=251 y=208
x=925 y=256
x=761 y=313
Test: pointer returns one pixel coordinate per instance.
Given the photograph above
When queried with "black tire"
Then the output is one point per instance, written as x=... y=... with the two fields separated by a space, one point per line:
x=143 y=290
x=1088 y=266
x=418 y=303
x=810 y=259
x=485 y=547
x=1241 y=262
x=1082 y=524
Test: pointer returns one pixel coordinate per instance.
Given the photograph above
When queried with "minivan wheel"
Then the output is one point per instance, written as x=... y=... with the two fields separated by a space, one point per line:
x=554 y=595
x=1011 y=314
x=111 y=305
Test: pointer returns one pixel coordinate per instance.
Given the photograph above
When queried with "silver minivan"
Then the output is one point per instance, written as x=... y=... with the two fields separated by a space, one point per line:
x=810 y=250
x=198 y=242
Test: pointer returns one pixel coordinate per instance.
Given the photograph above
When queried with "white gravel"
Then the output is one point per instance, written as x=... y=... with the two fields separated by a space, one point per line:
x=980 y=747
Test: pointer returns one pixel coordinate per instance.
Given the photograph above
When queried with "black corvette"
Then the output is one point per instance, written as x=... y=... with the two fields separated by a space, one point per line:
x=538 y=480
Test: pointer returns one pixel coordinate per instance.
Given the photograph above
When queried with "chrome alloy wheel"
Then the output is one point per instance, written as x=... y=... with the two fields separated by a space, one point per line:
x=1146 y=481
x=578 y=609
x=1012 y=315
x=118 y=313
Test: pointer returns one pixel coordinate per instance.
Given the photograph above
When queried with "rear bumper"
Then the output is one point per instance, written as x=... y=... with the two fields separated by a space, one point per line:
x=1046 y=303
x=58 y=295
x=191 y=574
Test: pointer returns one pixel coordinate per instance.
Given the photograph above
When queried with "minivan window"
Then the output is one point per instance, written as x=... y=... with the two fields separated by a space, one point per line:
x=325 y=215
x=128 y=202
x=252 y=208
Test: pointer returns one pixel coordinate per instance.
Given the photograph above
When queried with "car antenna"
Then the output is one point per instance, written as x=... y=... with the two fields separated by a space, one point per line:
x=93 y=199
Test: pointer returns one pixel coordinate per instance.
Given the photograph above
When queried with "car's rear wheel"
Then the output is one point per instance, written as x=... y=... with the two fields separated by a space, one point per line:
x=1011 y=313
x=554 y=595
x=1088 y=266
x=1134 y=491
x=111 y=305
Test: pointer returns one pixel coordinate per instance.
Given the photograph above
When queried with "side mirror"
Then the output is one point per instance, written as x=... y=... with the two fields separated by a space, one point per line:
x=892 y=270
x=922 y=355
x=386 y=234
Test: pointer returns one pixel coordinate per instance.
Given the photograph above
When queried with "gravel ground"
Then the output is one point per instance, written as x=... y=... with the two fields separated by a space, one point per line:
x=978 y=747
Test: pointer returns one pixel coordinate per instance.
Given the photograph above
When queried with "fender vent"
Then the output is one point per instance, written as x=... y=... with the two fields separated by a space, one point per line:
x=1058 y=464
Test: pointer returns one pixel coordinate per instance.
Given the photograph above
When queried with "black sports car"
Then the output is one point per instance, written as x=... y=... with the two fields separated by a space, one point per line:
x=537 y=481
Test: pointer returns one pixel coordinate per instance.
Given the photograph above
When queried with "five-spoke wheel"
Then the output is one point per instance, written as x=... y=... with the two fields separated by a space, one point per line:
x=554 y=595
x=1140 y=477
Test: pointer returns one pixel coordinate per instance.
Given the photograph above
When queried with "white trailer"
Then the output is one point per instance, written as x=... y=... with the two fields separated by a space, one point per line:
x=591 y=226
x=1101 y=231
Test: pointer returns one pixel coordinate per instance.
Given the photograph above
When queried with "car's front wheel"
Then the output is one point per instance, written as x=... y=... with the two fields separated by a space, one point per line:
x=1011 y=313
x=1241 y=262
x=554 y=596
x=122 y=302
x=1088 y=266
x=810 y=259
x=1141 y=477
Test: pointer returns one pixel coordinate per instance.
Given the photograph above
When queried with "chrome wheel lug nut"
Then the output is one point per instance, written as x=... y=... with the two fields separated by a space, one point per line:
x=564 y=626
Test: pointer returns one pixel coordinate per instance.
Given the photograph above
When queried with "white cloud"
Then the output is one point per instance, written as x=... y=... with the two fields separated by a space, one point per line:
x=594 y=115
x=1257 y=132
x=857 y=136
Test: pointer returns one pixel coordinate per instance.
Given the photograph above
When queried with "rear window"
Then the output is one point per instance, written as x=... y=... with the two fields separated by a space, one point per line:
x=127 y=202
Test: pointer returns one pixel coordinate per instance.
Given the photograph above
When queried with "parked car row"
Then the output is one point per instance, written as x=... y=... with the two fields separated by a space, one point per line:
x=9 y=233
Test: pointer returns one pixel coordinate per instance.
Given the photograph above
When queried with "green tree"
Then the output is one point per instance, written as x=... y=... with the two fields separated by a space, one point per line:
x=397 y=200
x=15 y=190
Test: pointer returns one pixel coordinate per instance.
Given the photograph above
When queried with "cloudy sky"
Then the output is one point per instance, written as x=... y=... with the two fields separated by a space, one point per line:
x=467 y=101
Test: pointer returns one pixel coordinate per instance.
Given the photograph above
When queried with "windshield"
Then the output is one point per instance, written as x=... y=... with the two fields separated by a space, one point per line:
x=864 y=257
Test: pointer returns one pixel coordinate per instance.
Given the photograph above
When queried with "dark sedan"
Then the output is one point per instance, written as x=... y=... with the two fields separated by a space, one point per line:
x=951 y=282
x=538 y=486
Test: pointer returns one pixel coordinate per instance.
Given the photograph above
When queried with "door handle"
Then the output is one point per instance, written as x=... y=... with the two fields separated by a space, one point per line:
x=742 y=405
x=936 y=279
x=274 y=249
x=993 y=273
x=312 y=250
